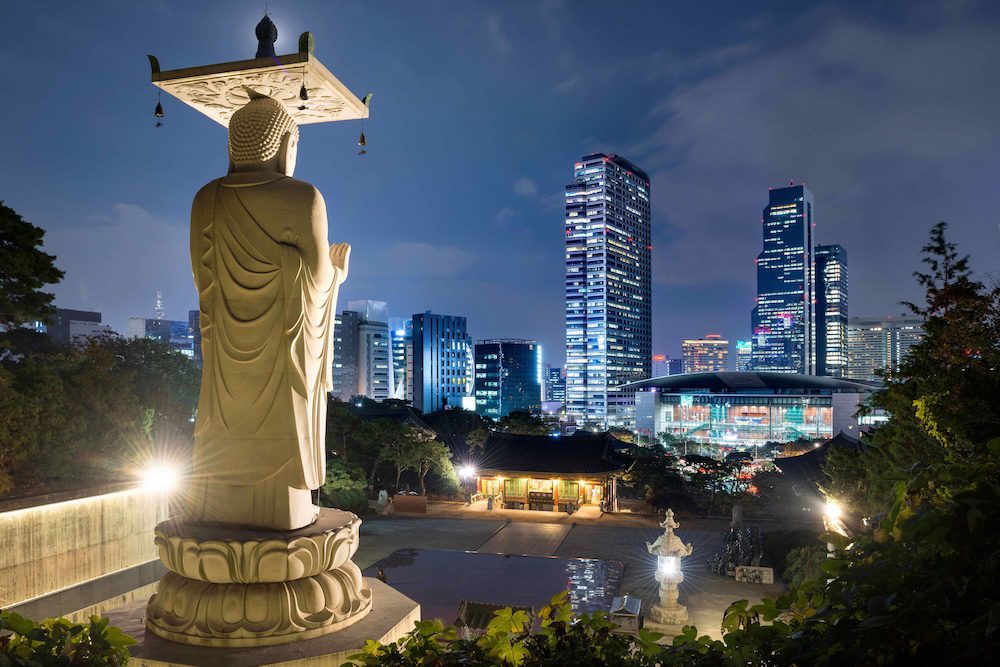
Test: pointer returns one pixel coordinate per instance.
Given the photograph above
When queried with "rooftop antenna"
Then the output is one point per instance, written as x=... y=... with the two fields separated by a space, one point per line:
x=160 y=312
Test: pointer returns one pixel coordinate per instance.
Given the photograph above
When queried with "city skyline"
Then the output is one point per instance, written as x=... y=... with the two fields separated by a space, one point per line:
x=429 y=242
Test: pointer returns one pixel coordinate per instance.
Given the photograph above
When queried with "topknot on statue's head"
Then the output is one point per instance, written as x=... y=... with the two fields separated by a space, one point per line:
x=256 y=130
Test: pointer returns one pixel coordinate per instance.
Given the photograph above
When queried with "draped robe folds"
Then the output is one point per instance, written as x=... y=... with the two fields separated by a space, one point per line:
x=267 y=291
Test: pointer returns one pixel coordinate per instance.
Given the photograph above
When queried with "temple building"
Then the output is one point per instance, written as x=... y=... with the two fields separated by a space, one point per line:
x=559 y=474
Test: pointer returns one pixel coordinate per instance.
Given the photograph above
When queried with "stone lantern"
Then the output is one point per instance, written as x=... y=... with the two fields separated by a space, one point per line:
x=669 y=550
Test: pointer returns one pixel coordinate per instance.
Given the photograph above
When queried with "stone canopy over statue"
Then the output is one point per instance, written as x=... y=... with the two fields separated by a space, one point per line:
x=251 y=560
x=267 y=283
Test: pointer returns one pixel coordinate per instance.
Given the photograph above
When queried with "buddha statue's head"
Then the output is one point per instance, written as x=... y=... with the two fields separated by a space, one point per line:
x=262 y=137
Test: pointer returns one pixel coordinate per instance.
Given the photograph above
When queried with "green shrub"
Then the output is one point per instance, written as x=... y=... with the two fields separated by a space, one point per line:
x=57 y=642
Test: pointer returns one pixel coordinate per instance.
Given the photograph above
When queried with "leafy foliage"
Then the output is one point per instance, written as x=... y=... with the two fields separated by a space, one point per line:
x=525 y=423
x=24 y=271
x=59 y=642
x=73 y=415
x=345 y=487
x=561 y=639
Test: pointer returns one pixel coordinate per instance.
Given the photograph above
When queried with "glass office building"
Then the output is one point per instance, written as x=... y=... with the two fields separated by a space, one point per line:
x=782 y=321
x=744 y=354
x=555 y=384
x=345 y=355
x=508 y=377
x=401 y=334
x=608 y=289
x=442 y=362
x=831 y=310
x=877 y=345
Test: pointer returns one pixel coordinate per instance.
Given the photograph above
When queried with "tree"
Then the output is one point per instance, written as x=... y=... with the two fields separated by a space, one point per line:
x=456 y=421
x=477 y=438
x=398 y=444
x=344 y=487
x=24 y=271
x=943 y=399
x=342 y=424
x=77 y=415
x=431 y=454
x=525 y=423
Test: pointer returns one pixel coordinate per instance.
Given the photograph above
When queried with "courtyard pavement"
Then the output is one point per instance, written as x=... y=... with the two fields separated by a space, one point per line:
x=608 y=537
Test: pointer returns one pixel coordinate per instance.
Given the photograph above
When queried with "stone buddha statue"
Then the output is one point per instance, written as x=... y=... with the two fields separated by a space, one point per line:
x=267 y=282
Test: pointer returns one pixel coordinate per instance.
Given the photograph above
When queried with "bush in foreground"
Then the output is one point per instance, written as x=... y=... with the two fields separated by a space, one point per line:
x=58 y=642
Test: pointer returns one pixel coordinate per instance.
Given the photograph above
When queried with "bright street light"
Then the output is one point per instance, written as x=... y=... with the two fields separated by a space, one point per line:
x=833 y=510
x=467 y=472
x=159 y=477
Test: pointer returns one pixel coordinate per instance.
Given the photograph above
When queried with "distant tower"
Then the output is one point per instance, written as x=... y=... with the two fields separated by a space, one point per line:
x=608 y=289
x=831 y=311
x=161 y=313
x=783 y=321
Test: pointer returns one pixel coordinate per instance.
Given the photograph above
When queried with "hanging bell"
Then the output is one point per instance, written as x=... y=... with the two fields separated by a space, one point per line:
x=158 y=112
x=303 y=93
x=362 y=141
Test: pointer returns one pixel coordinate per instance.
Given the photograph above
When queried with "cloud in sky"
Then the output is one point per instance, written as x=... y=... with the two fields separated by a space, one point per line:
x=505 y=215
x=891 y=127
x=501 y=45
x=415 y=259
x=525 y=187
x=117 y=262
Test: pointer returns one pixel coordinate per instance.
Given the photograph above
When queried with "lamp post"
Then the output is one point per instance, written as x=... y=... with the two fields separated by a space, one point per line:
x=467 y=473
x=669 y=550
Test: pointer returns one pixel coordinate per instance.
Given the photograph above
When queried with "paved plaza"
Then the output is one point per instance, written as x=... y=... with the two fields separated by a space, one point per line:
x=608 y=538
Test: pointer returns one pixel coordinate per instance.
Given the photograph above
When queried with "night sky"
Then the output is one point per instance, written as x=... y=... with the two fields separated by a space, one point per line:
x=888 y=111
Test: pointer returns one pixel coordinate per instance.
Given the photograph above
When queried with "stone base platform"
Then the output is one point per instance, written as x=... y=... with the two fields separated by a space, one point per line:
x=668 y=631
x=392 y=616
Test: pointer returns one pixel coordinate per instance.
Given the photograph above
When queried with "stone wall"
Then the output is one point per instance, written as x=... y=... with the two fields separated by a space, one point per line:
x=64 y=543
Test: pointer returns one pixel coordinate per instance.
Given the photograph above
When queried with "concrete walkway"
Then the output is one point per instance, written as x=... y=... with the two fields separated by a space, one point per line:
x=589 y=514
x=608 y=537
x=528 y=539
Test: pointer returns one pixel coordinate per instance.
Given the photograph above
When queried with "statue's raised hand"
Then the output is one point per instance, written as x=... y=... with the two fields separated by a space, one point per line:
x=340 y=256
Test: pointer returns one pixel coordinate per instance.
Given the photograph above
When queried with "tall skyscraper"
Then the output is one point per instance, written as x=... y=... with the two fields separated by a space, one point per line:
x=783 y=320
x=831 y=310
x=879 y=344
x=705 y=355
x=442 y=362
x=608 y=289
x=508 y=377
x=401 y=334
x=744 y=353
